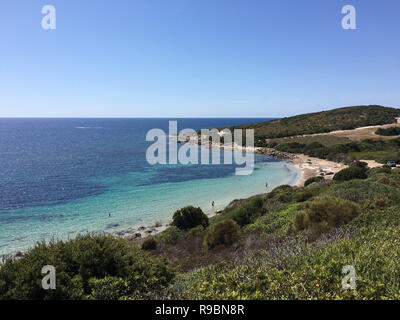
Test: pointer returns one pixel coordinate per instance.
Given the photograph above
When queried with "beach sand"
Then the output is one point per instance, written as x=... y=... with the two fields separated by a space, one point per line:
x=311 y=167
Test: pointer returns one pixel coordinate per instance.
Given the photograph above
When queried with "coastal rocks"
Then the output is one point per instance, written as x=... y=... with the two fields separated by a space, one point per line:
x=134 y=236
x=275 y=153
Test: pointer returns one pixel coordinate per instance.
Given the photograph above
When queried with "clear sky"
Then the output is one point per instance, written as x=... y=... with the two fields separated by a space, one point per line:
x=224 y=58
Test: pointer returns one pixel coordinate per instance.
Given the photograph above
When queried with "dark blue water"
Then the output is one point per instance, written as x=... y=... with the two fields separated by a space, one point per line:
x=49 y=161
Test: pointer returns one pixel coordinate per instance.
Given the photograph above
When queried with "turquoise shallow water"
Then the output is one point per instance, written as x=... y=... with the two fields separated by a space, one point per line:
x=57 y=189
x=132 y=206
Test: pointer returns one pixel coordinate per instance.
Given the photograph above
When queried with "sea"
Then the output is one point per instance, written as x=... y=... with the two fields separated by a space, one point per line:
x=64 y=177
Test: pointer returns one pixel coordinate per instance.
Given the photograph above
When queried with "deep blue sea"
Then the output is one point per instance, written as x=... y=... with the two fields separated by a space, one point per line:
x=61 y=177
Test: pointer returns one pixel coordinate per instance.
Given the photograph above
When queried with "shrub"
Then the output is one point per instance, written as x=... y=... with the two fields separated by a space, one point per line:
x=77 y=262
x=304 y=196
x=222 y=233
x=248 y=213
x=380 y=202
x=360 y=164
x=323 y=213
x=392 y=131
x=189 y=217
x=350 y=173
x=388 y=181
x=361 y=190
x=149 y=244
x=386 y=169
x=313 y=179
x=109 y=288
x=196 y=231
x=171 y=235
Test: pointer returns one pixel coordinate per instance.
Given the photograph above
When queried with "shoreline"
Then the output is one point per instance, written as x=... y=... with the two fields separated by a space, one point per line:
x=143 y=232
x=307 y=167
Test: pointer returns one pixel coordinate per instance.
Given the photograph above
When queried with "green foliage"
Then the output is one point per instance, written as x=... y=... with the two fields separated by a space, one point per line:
x=323 y=213
x=109 y=288
x=311 y=273
x=363 y=190
x=189 y=217
x=325 y=121
x=391 y=131
x=369 y=149
x=304 y=196
x=196 y=231
x=388 y=181
x=314 y=179
x=350 y=174
x=276 y=223
x=324 y=140
x=77 y=262
x=248 y=212
x=149 y=244
x=221 y=233
x=170 y=235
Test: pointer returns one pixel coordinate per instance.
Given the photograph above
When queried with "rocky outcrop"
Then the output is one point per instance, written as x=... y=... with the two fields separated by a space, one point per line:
x=275 y=153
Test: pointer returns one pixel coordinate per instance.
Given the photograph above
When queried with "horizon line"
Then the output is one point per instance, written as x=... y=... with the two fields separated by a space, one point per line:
x=148 y=117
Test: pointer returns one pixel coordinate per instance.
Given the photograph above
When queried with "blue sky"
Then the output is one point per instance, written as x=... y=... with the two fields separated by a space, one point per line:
x=187 y=58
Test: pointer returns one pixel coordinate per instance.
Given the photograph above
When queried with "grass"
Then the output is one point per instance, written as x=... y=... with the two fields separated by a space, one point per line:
x=325 y=121
x=326 y=140
x=379 y=156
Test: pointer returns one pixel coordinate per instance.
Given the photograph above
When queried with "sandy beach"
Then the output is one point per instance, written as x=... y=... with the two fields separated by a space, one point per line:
x=311 y=167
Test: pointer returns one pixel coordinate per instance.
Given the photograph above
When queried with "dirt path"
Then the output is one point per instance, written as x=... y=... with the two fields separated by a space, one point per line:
x=360 y=133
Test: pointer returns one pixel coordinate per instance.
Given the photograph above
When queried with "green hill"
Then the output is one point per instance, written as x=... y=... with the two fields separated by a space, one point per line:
x=325 y=121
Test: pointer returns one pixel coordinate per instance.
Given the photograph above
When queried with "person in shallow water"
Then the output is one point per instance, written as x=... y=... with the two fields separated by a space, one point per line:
x=266 y=186
x=109 y=214
x=212 y=204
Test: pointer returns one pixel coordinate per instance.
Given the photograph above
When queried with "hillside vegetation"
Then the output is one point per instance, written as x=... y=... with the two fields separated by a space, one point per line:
x=291 y=243
x=325 y=121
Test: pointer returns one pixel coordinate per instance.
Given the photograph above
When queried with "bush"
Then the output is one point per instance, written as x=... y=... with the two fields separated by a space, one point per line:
x=303 y=196
x=324 y=213
x=248 y=213
x=388 y=181
x=350 y=173
x=149 y=244
x=189 y=217
x=109 y=288
x=171 y=235
x=361 y=190
x=221 y=233
x=360 y=164
x=313 y=179
x=196 y=231
x=392 y=131
x=77 y=263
